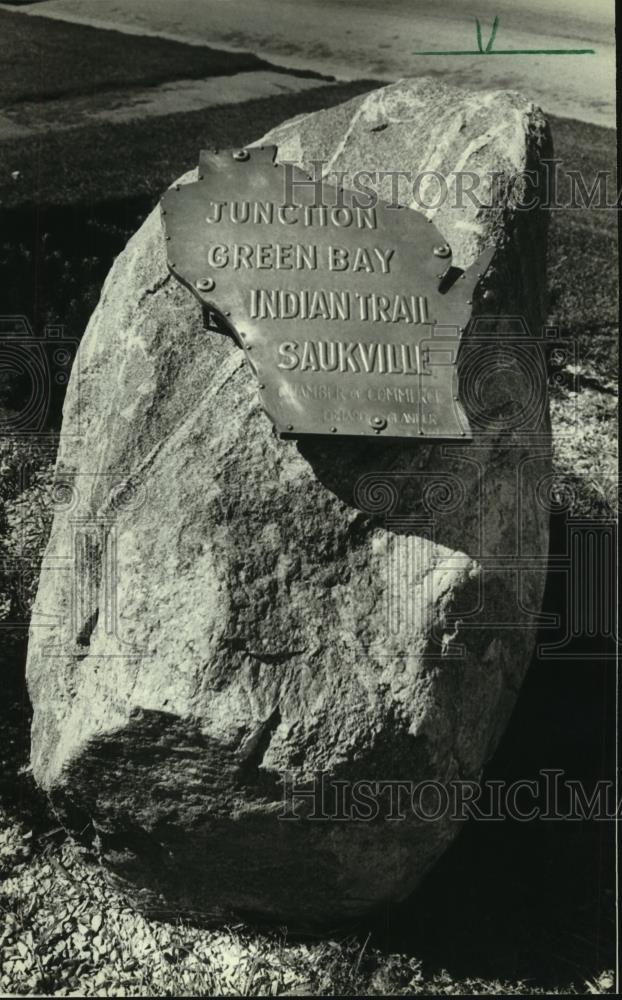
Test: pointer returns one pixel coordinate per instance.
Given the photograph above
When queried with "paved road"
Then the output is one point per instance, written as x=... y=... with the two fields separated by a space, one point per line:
x=128 y=104
x=353 y=38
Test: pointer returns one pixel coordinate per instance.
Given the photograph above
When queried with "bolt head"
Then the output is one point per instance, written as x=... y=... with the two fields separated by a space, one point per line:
x=488 y=295
x=442 y=251
x=205 y=284
x=378 y=423
x=241 y=155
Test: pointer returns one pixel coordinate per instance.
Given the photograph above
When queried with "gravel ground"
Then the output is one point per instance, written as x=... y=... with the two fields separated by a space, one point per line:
x=66 y=932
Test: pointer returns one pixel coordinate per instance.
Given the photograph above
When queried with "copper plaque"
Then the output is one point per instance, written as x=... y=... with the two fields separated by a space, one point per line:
x=341 y=311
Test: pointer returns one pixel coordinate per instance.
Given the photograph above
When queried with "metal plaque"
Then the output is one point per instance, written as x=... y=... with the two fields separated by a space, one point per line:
x=350 y=317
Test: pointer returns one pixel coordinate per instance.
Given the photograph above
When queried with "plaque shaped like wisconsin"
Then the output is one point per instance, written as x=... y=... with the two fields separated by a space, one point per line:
x=340 y=309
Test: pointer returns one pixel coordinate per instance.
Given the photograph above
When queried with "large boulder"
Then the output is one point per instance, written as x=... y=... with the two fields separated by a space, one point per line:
x=224 y=618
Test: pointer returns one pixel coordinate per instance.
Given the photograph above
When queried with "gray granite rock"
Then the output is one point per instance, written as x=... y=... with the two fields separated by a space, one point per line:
x=219 y=609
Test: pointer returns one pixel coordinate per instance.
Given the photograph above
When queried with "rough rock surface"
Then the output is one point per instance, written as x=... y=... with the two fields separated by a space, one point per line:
x=218 y=608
